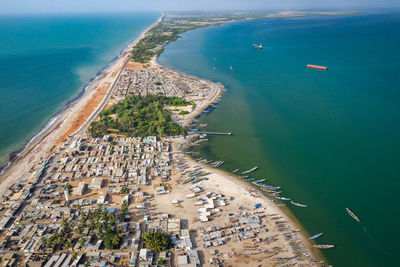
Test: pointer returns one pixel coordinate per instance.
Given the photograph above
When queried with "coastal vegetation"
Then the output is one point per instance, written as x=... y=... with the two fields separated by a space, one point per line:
x=157 y=241
x=153 y=43
x=139 y=116
x=101 y=223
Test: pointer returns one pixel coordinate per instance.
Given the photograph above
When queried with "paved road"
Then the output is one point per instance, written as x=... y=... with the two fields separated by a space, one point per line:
x=84 y=127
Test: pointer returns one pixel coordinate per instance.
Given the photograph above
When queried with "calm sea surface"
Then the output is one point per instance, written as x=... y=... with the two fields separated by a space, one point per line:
x=46 y=60
x=331 y=138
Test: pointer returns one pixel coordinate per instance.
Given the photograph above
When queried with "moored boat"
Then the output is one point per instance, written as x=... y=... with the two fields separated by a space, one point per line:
x=251 y=170
x=323 y=246
x=315 y=236
x=283 y=198
x=298 y=204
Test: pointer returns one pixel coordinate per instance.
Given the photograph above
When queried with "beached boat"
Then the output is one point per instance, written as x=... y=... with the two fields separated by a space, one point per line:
x=315 y=236
x=260 y=181
x=235 y=170
x=352 y=215
x=298 y=204
x=243 y=177
x=251 y=170
x=323 y=246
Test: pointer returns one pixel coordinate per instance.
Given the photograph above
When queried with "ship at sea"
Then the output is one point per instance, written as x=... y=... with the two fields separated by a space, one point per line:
x=256 y=46
x=352 y=215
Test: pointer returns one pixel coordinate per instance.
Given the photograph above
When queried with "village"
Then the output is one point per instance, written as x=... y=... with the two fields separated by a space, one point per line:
x=163 y=192
x=98 y=201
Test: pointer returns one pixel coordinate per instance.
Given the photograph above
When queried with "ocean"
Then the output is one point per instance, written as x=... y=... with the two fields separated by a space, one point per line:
x=46 y=60
x=330 y=138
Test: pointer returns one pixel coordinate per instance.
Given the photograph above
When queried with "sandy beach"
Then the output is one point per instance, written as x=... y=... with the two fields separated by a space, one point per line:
x=69 y=121
x=75 y=120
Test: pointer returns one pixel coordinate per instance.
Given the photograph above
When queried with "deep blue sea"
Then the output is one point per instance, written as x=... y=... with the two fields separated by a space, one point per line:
x=331 y=138
x=46 y=60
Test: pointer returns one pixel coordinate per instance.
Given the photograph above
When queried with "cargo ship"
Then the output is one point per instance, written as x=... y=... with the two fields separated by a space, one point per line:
x=317 y=67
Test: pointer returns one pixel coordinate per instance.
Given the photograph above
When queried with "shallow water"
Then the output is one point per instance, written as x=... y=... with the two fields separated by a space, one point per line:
x=329 y=138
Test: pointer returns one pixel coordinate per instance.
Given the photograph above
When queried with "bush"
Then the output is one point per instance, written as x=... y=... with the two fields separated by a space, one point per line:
x=183 y=112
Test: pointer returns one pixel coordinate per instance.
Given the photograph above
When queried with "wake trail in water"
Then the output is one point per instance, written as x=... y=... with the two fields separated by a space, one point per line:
x=373 y=239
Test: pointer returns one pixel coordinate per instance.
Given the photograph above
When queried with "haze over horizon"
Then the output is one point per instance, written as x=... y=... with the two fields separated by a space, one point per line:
x=97 y=6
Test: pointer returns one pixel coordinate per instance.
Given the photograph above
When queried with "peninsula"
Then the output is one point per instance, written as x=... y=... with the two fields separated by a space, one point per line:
x=110 y=183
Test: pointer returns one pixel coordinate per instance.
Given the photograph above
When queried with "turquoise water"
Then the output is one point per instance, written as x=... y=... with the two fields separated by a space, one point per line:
x=46 y=60
x=329 y=138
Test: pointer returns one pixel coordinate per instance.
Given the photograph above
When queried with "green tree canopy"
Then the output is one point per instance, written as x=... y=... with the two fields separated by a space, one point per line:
x=156 y=241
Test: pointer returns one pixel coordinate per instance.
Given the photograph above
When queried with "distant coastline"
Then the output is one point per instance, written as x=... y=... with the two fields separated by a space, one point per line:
x=47 y=126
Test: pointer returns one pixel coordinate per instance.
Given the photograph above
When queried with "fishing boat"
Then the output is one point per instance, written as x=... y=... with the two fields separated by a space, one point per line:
x=315 y=236
x=249 y=179
x=243 y=177
x=298 y=204
x=283 y=198
x=251 y=170
x=323 y=246
x=260 y=181
x=352 y=215
x=235 y=170
x=260 y=46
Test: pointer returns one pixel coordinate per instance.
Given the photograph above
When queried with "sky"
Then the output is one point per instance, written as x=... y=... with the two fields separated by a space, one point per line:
x=79 y=6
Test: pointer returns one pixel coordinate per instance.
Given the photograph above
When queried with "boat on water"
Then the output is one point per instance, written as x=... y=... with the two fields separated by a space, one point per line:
x=235 y=170
x=251 y=170
x=315 y=236
x=230 y=67
x=310 y=66
x=260 y=181
x=352 y=215
x=323 y=246
x=256 y=46
x=283 y=198
x=243 y=177
x=298 y=204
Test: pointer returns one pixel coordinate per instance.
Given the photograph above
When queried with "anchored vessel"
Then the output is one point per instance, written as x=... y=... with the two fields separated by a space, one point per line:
x=317 y=67
x=352 y=215
x=260 y=46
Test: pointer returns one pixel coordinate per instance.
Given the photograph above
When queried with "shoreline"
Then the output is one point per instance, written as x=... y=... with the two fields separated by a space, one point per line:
x=55 y=129
x=62 y=116
x=284 y=210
